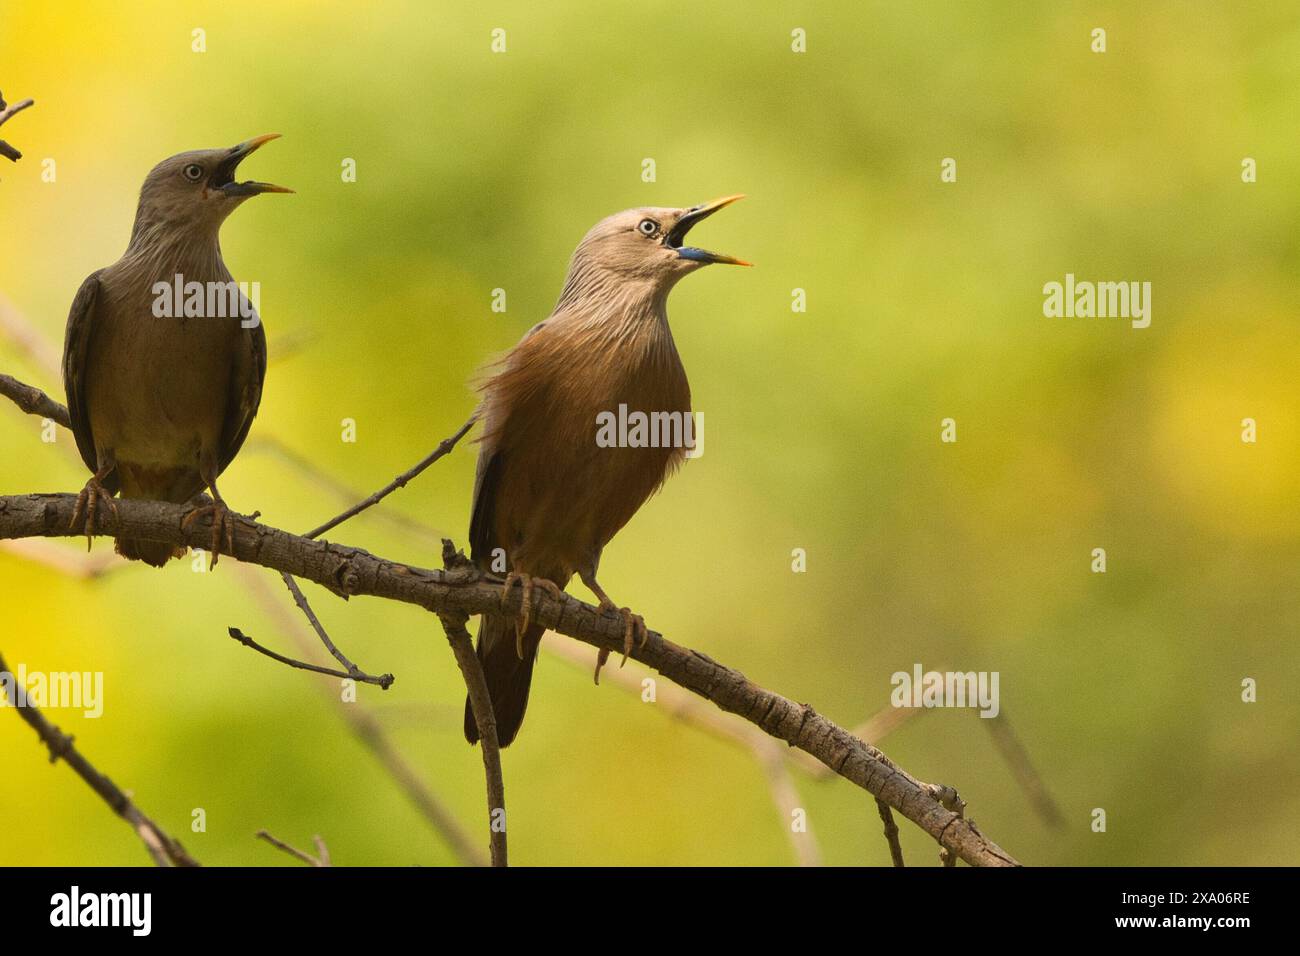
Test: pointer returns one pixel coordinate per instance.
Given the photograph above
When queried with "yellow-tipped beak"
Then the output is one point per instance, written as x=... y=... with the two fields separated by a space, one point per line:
x=692 y=217
x=225 y=177
x=256 y=142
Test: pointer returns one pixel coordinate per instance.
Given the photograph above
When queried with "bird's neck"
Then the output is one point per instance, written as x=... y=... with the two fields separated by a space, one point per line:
x=161 y=250
x=615 y=300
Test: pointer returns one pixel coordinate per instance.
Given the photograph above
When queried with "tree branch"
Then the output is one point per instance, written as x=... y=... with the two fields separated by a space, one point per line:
x=165 y=850
x=322 y=859
x=33 y=401
x=247 y=641
x=462 y=645
x=480 y=703
x=465 y=591
x=891 y=832
x=6 y=114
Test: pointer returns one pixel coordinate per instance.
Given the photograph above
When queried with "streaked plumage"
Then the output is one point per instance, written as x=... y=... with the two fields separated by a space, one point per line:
x=545 y=492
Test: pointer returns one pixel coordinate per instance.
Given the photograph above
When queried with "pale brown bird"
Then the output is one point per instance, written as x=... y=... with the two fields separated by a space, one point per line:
x=548 y=496
x=161 y=396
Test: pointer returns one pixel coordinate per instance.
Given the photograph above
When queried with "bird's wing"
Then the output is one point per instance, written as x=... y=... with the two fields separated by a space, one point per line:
x=76 y=349
x=487 y=477
x=245 y=395
x=482 y=523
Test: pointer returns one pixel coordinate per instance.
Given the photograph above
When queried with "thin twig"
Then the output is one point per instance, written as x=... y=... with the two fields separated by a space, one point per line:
x=371 y=734
x=383 y=680
x=165 y=850
x=891 y=832
x=444 y=447
x=6 y=114
x=1022 y=768
x=247 y=641
x=480 y=702
x=270 y=445
x=462 y=646
x=319 y=861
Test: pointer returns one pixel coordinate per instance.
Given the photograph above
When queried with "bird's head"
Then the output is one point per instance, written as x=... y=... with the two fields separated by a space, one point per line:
x=648 y=245
x=198 y=189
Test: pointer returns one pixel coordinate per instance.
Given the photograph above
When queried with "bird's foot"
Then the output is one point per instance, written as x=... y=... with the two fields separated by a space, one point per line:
x=633 y=625
x=526 y=609
x=223 y=526
x=88 y=505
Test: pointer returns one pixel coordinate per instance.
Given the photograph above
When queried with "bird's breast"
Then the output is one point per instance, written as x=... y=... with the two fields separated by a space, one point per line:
x=157 y=386
x=588 y=434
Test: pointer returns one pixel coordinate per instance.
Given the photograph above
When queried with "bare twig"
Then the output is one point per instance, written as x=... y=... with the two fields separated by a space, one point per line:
x=322 y=859
x=33 y=401
x=247 y=641
x=401 y=481
x=6 y=114
x=890 y=718
x=445 y=446
x=471 y=669
x=165 y=850
x=1022 y=768
x=891 y=832
x=270 y=445
x=370 y=732
x=383 y=680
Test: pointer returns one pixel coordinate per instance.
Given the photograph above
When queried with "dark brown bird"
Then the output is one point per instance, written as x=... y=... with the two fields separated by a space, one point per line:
x=548 y=495
x=161 y=395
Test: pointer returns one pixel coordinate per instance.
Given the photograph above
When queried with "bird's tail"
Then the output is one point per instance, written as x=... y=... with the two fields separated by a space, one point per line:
x=156 y=553
x=508 y=675
x=160 y=484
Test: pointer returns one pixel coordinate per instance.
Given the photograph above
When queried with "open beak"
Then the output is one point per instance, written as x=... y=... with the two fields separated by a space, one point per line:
x=677 y=235
x=224 y=177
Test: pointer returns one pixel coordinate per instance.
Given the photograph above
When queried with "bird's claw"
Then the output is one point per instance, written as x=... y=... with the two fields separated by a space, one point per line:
x=223 y=526
x=633 y=624
x=87 y=507
x=526 y=608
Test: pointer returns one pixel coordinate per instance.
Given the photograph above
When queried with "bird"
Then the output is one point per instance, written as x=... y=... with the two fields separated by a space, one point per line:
x=548 y=497
x=161 y=399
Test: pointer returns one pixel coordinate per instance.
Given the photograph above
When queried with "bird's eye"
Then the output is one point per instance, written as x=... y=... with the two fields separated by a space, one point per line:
x=193 y=172
x=648 y=227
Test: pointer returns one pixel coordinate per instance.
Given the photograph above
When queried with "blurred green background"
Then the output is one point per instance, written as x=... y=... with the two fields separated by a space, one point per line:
x=479 y=171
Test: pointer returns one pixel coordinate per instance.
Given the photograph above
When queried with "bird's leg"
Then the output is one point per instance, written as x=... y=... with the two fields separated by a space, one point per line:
x=88 y=501
x=526 y=609
x=223 y=521
x=632 y=623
